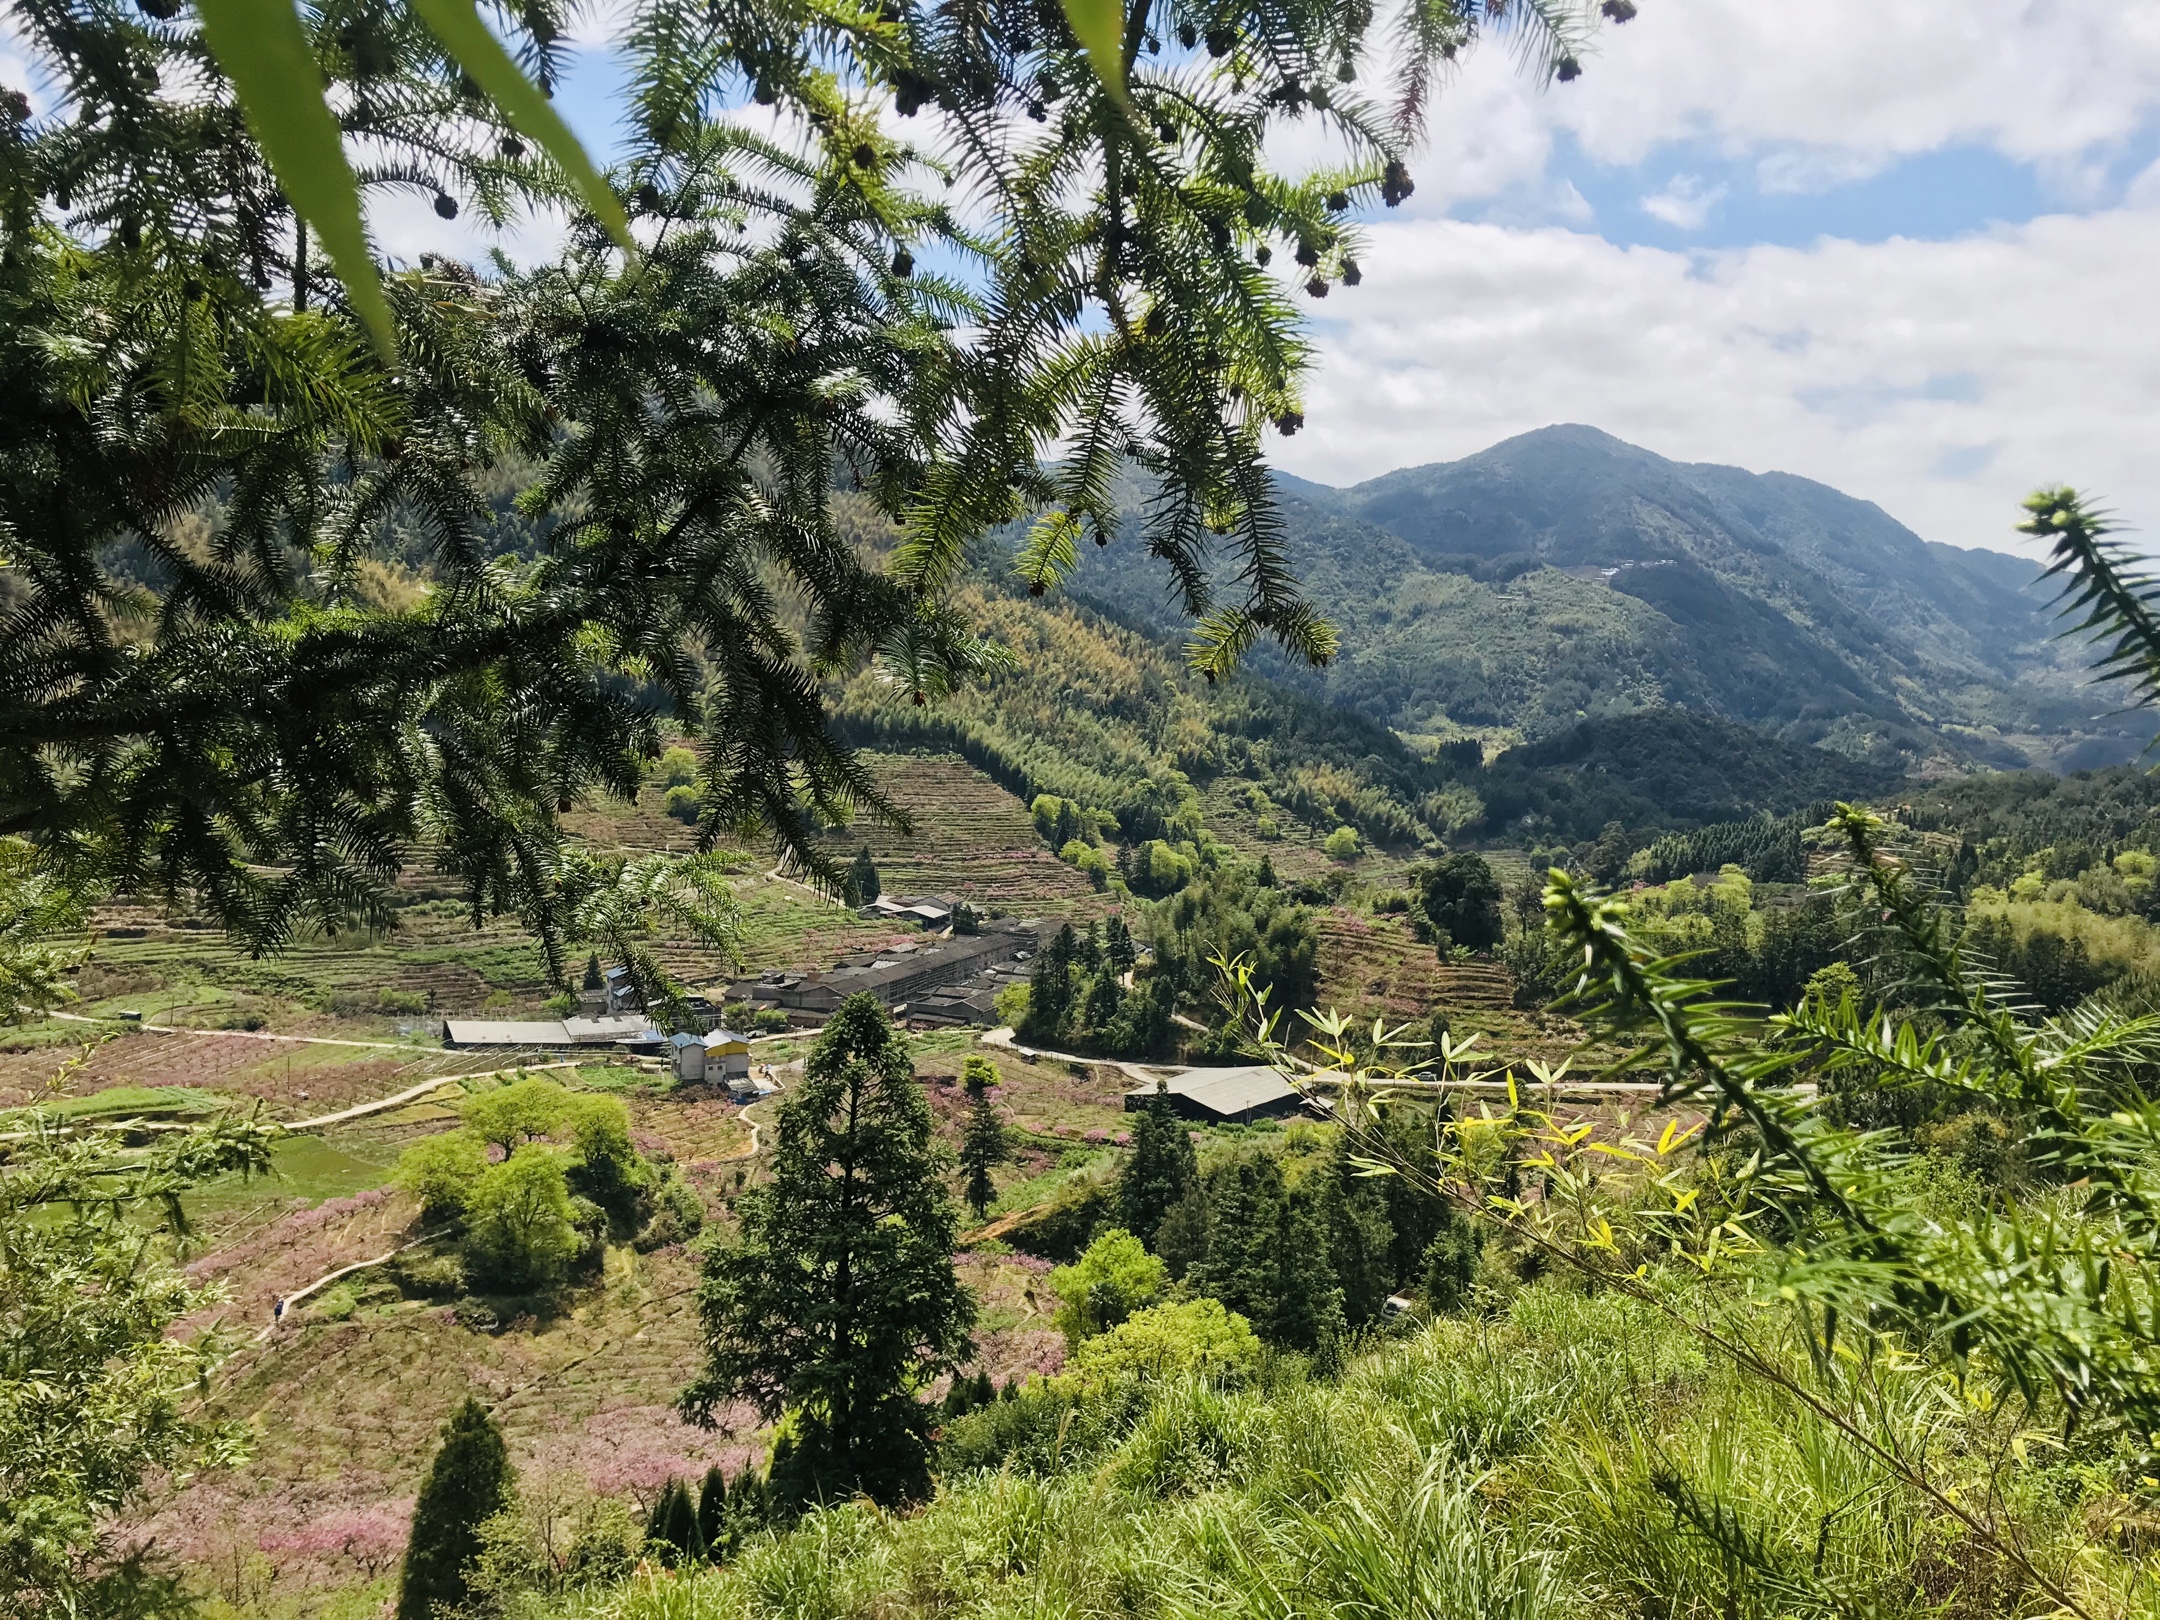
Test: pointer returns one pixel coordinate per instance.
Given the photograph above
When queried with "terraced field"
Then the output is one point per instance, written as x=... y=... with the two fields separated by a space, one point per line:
x=971 y=839
x=1372 y=962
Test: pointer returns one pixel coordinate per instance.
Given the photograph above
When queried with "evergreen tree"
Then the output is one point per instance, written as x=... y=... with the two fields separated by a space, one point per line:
x=1118 y=948
x=1267 y=1258
x=1360 y=1239
x=1100 y=1006
x=978 y=1074
x=712 y=1513
x=863 y=885
x=1182 y=1240
x=1050 y=990
x=1460 y=898
x=468 y=1483
x=983 y=1147
x=673 y=1530
x=837 y=1298
x=593 y=980
x=1161 y=1169
x=1450 y=1264
x=1416 y=1214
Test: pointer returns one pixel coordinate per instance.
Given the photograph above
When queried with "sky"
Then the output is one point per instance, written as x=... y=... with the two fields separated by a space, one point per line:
x=1906 y=249
x=1909 y=250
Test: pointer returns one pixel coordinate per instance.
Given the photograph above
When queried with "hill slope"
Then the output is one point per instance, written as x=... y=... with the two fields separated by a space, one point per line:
x=1565 y=575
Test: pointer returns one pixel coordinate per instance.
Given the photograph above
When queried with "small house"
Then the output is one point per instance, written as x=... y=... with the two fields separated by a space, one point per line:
x=689 y=1054
x=727 y=1055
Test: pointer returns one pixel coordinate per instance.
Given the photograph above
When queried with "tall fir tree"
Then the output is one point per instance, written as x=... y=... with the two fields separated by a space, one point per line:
x=1118 y=948
x=1268 y=1258
x=1161 y=1169
x=469 y=1482
x=863 y=883
x=672 y=1530
x=837 y=1299
x=983 y=1147
x=1360 y=1239
x=712 y=1513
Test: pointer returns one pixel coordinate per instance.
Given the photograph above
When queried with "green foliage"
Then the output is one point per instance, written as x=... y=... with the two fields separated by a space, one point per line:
x=292 y=697
x=836 y=1296
x=1161 y=1169
x=442 y=1171
x=863 y=884
x=1059 y=821
x=1191 y=1338
x=1062 y=1228
x=1231 y=913
x=508 y=1116
x=977 y=1074
x=1076 y=998
x=683 y=804
x=678 y=767
x=1342 y=844
x=672 y=1531
x=519 y=1236
x=1460 y=898
x=1767 y=848
x=1361 y=1236
x=983 y=1147
x=1115 y=1277
x=35 y=906
x=96 y=1392
x=469 y=1482
x=1267 y=1256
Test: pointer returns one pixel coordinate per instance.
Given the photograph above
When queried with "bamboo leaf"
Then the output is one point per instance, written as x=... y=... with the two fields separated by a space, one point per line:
x=457 y=24
x=1099 y=26
x=260 y=46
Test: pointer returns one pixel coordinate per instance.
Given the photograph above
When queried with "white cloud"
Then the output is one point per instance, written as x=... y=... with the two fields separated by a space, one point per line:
x=1684 y=204
x=2034 y=78
x=1942 y=380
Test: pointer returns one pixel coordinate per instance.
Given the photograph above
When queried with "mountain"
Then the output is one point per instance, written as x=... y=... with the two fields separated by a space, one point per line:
x=1565 y=576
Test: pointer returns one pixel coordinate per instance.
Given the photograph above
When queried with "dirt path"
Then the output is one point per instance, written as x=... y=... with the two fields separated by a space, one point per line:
x=244 y=1034
x=380 y=1104
x=1565 y=1091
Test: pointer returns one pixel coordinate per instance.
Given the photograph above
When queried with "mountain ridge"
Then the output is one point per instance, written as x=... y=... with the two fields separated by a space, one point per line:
x=1563 y=574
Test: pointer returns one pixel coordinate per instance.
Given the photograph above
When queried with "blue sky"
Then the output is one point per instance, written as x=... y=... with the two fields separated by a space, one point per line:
x=1903 y=250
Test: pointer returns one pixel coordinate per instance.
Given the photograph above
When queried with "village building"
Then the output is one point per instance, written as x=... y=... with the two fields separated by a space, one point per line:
x=949 y=980
x=1224 y=1096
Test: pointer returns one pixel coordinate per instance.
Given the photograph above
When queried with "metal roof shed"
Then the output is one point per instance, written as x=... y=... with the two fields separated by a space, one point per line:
x=1224 y=1096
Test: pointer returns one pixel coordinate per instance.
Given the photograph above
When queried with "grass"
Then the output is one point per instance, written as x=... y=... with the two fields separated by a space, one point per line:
x=1571 y=1457
x=126 y=1102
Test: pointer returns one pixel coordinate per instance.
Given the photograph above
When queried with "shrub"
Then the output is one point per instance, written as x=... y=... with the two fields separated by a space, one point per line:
x=428 y=1276
x=769 y=1021
x=1062 y=1229
x=336 y=1304
x=1193 y=1338
x=682 y=803
x=1115 y=1277
x=1012 y=1005
x=1342 y=844
x=1268 y=828
x=676 y=767
x=441 y=1171
x=401 y=1003
x=678 y=1214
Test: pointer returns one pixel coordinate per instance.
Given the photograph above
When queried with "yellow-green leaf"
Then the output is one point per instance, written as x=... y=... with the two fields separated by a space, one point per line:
x=1099 y=26
x=262 y=50
x=457 y=24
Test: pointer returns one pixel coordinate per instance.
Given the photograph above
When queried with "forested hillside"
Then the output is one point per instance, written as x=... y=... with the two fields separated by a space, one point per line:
x=1564 y=575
